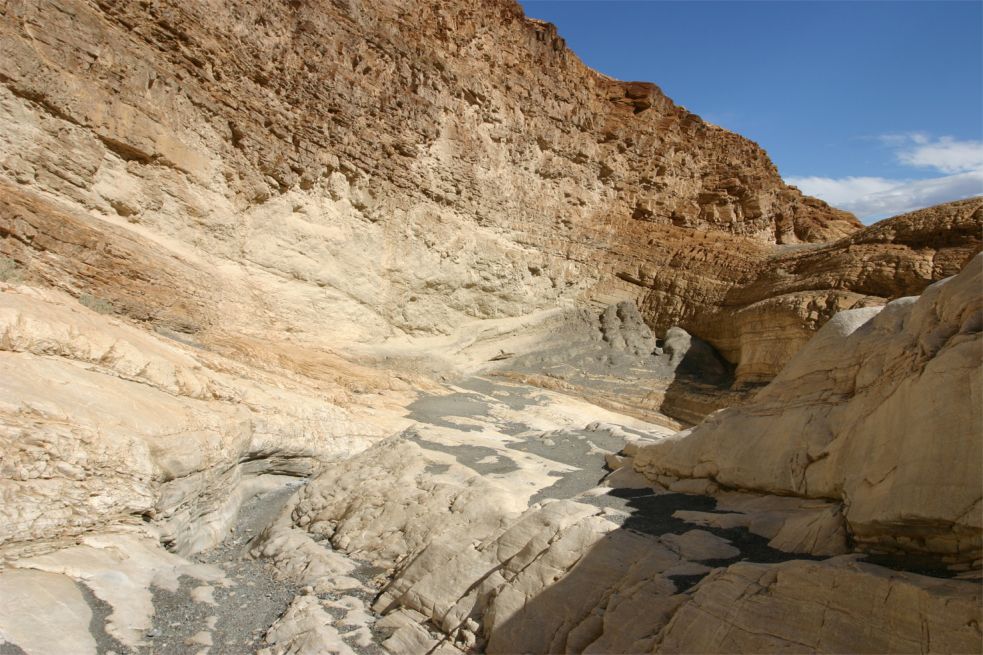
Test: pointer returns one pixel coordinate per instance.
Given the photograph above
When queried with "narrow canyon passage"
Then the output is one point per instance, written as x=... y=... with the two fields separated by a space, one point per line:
x=233 y=614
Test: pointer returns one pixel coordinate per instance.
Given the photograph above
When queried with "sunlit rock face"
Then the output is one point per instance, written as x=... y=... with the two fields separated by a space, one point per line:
x=355 y=326
x=766 y=322
x=882 y=410
x=351 y=171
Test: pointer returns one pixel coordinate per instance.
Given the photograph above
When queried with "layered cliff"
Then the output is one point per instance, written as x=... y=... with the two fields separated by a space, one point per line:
x=760 y=324
x=400 y=168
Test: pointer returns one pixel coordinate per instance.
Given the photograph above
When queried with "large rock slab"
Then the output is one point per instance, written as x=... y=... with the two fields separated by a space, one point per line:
x=102 y=423
x=836 y=606
x=881 y=410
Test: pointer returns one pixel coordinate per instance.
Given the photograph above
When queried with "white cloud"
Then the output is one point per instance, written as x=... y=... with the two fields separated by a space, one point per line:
x=872 y=198
x=902 y=138
x=946 y=155
x=844 y=190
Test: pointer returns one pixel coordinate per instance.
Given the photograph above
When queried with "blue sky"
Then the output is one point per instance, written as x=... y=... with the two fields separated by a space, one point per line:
x=873 y=105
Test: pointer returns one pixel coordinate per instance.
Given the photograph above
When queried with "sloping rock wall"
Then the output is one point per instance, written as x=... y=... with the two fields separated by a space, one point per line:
x=882 y=410
x=398 y=167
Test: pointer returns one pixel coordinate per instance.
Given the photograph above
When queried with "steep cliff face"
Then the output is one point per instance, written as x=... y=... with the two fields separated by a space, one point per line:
x=362 y=169
x=397 y=167
x=434 y=100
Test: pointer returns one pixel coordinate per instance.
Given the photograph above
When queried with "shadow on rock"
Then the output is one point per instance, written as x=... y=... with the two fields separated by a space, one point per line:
x=702 y=380
x=620 y=593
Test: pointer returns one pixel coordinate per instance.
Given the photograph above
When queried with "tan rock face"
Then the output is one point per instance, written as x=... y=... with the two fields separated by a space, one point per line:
x=451 y=96
x=754 y=608
x=352 y=171
x=102 y=423
x=882 y=410
x=763 y=324
x=471 y=569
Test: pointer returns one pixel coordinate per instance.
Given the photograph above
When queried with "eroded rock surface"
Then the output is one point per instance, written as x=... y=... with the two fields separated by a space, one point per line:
x=880 y=410
x=103 y=423
x=455 y=292
x=802 y=607
x=458 y=157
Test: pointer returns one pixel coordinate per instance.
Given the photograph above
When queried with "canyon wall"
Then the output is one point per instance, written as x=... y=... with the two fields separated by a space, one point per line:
x=351 y=171
x=881 y=410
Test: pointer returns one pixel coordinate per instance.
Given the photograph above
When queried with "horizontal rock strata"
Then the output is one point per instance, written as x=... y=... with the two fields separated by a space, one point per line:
x=465 y=172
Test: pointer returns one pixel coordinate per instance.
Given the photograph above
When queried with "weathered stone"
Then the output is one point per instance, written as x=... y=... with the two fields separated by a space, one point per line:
x=834 y=606
x=238 y=200
x=881 y=409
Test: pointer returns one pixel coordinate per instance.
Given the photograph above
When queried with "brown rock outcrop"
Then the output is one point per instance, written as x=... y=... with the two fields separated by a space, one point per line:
x=760 y=322
x=458 y=157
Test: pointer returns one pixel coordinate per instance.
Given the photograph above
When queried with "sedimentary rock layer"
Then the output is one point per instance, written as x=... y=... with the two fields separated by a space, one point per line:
x=760 y=325
x=399 y=167
x=103 y=424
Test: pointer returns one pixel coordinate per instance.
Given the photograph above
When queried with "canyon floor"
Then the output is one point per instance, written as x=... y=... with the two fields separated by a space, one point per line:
x=491 y=493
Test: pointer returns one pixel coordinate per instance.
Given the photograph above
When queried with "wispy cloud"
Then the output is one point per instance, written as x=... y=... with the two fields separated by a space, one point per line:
x=872 y=198
x=842 y=191
x=946 y=155
x=900 y=138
